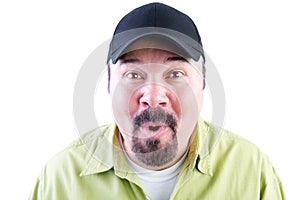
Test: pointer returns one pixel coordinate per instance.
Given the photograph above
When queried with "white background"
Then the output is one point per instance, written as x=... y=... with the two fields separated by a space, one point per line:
x=43 y=44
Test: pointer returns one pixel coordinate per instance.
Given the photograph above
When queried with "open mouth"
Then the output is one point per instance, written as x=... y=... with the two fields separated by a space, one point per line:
x=154 y=131
x=154 y=128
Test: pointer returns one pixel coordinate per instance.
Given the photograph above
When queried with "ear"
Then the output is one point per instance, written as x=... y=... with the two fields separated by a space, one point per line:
x=108 y=77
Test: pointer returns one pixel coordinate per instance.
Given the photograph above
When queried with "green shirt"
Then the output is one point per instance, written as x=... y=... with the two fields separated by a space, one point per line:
x=219 y=165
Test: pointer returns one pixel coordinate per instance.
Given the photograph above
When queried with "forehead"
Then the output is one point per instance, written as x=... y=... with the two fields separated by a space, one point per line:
x=151 y=55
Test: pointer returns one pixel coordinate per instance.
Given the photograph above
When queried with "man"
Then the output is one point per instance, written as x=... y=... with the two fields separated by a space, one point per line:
x=159 y=147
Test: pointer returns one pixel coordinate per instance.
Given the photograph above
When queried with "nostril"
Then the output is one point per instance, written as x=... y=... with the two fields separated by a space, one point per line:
x=144 y=104
x=163 y=104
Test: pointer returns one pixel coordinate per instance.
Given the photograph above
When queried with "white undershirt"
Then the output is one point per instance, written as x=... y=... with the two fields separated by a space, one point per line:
x=158 y=185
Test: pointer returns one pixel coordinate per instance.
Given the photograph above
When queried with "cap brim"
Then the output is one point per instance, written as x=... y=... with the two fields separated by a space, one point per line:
x=151 y=37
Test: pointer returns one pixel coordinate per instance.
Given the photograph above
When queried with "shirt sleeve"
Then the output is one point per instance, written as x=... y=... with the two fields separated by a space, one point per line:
x=271 y=186
x=36 y=192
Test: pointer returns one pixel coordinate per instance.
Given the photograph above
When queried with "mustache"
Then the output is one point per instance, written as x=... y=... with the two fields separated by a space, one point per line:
x=155 y=115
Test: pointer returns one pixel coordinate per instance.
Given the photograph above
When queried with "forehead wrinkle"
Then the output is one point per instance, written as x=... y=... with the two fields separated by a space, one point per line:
x=148 y=56
x=125 y=59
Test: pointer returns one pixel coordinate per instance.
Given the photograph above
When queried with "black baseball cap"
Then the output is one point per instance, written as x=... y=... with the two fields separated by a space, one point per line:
x=159 y=22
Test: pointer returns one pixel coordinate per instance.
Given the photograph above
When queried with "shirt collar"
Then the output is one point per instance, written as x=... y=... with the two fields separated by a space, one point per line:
x=210 y=136
x=195 y=159
x=104 y=148
x=106 y=153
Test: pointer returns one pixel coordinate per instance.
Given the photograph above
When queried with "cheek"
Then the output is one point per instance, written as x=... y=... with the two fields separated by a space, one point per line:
x=199 y=99
x=133 y=103
x=191 y=104
x=190 y=97
x=196 y=85
x=121 y=97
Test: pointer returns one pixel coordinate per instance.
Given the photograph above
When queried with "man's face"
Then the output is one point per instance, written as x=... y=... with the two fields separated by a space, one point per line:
x=156 y=100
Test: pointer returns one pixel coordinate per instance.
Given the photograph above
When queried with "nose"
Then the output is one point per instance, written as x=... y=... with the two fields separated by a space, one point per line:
x=154 y=96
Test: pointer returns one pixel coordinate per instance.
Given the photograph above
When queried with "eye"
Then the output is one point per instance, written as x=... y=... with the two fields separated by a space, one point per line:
x=175 y=74
x=133 y=75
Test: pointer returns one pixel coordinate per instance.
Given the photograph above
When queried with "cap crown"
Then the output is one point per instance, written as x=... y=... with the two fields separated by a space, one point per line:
x=159 y=15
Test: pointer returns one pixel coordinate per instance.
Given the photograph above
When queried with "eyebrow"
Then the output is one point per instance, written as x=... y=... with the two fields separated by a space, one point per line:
x=176 y=58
